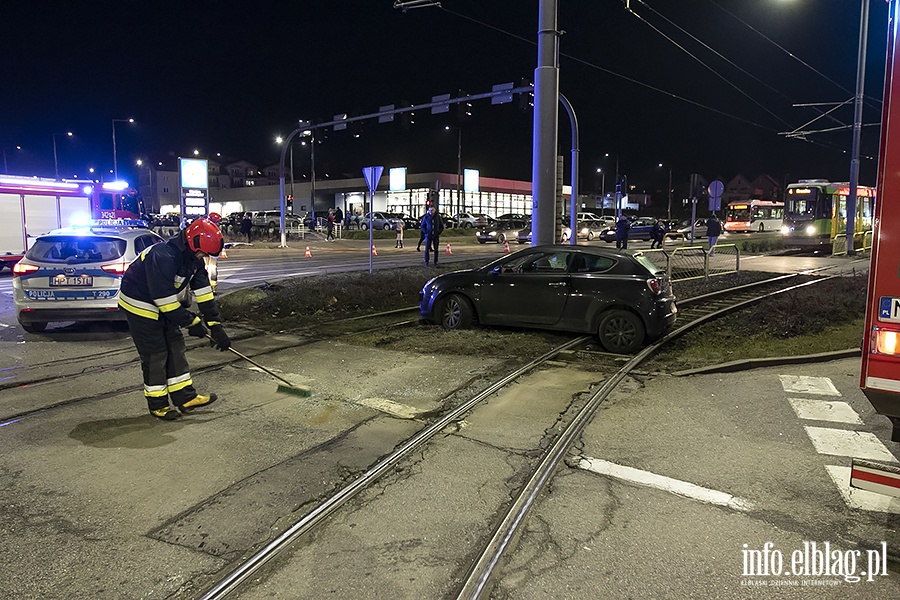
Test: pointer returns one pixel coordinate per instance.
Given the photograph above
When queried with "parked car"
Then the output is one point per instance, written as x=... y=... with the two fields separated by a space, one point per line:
x=482 y=220
x=524 y=236
x=74 y=274
x=513 y=217
x=448 y=220
x=272 y=219
x=699 y=228
x=602 y=221
x=469 y=220
x=500 y=232
x=587 y=230
x=641 y=229
x=409 y=222
x=620 y=296
x=380 y=220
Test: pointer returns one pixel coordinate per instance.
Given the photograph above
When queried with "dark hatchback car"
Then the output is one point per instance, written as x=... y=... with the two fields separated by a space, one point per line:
x=621 y=296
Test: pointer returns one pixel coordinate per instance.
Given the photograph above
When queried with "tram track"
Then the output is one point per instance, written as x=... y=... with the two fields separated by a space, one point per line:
x=482 y=571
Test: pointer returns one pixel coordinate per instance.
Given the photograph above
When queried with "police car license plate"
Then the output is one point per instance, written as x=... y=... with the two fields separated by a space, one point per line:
x=63 y=281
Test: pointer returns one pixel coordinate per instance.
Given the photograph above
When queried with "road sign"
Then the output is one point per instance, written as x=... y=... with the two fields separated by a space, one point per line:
x=502 y=98
x=384 y=109
x=715 y=190
x=373 y=176
x=440 y=108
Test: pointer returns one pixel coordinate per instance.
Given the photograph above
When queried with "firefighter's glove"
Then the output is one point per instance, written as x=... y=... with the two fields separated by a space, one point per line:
x=197 y=328
x=220 y=339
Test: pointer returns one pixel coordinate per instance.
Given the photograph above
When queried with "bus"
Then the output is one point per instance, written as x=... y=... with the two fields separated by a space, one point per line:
x=815 y=212
x=754 y=215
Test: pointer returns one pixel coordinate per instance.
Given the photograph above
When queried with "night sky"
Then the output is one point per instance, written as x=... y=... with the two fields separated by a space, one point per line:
x=227 y=77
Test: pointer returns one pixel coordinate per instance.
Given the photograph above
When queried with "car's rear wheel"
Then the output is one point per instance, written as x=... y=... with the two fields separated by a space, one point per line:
x=364 y=226
x=456 y=312
x=621 y=331
x=501 y=238
x=590 y=236
x=387 y=226
x=34 y=327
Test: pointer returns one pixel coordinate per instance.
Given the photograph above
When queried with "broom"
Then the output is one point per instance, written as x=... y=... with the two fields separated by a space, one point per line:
x=286 y=386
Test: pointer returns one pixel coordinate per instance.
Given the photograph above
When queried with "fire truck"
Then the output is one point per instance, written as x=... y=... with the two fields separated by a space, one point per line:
x=880 y=373
x=30 y=206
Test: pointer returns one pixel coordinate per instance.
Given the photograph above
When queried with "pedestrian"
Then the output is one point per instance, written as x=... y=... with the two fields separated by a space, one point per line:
x=713 y=231
x=338 y=216
x=330 y=225
x=246 y=226
x=658 y=233
x=433 y=227
x=421 y=233
x=212 y=262
x=399 y=227
x=623 y=227
x=155 y=294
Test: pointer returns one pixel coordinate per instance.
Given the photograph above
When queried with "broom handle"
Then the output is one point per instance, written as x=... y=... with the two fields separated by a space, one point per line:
x=259 y=366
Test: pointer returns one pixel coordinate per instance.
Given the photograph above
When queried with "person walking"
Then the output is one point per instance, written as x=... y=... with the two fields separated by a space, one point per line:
x=713 y=231
x=154 y=294
x=623 y=227
x=432 y=228
x=421 y=234
x=338 y=216
x=330 y=225
x=658 y=234
x=399 y=227
x=246 y=226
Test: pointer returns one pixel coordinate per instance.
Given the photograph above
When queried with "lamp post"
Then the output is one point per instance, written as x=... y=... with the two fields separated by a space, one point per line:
x=5 y=166
x=459 y=204
x=55 y=160
x=669 y=209
x=602 y=190
x=115 y=160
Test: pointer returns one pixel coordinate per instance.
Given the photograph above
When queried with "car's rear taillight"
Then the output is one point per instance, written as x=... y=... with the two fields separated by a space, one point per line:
x=655 y=286
x=117 y=268
x=23 y=269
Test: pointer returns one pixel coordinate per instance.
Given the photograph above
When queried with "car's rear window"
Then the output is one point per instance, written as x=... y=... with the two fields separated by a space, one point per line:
x=648 y=264
x=70 y=250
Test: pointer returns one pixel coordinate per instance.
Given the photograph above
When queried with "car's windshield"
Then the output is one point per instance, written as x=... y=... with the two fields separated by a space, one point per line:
x=69 y=249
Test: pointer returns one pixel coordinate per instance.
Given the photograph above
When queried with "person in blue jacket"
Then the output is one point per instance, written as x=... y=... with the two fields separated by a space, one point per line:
x=432 y=228
x=623 y=227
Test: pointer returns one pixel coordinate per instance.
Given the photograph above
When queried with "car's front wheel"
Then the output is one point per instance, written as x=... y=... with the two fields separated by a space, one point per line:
x=387 y=226
x=456 y=312
x=590 y=236
x=364 y=226
x=501 y=238
x=621 y=331
x=34 y=327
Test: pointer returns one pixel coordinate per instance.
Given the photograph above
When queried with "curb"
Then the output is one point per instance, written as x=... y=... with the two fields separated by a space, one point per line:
x=755 y=363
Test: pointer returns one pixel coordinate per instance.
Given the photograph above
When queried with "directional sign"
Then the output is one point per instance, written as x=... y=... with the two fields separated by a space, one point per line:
x=502 y=98
x=384 y=109
x=373 y=176
x=440 y=108
x=889 y=309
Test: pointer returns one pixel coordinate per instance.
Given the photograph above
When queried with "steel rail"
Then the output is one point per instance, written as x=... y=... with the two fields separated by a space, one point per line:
x=479 y=577
x=251 y=565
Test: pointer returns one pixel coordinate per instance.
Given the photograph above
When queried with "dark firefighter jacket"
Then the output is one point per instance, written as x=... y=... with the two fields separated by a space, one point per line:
x=158 y=282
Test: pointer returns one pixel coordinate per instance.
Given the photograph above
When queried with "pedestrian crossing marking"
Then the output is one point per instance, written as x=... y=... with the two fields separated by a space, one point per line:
x=854 y=444
x=804 y=384
x=821 y=410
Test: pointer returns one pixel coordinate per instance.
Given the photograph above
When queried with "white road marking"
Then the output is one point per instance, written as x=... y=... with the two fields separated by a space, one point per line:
x=803 y=384
x=855 y=444
x=861 y=499
x=667 y=484
x=390 y=407
x=821 y=410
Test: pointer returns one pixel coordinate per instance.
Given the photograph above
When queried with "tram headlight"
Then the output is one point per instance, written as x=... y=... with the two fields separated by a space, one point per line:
x=885 y=341
x=810 y=230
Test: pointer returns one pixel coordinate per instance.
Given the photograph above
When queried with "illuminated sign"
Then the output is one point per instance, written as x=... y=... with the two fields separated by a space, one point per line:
x=398 y=179
x=194 y=173
x=471 y=180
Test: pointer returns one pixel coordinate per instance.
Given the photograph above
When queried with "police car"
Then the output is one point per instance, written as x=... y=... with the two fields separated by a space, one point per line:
x=74 y=274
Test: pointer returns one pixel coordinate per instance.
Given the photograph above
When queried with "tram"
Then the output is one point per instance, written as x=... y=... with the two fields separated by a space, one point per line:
x=815 y=212
x=880 y=373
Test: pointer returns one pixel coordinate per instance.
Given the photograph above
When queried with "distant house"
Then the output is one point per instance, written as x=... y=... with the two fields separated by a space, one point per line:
x=740 y=188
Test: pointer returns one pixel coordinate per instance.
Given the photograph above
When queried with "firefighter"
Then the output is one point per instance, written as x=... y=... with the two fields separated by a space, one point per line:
x=155 y=295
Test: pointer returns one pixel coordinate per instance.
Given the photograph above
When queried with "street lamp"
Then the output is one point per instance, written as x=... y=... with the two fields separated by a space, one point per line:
x=55 y=160
x=115 y=161
x=5 y=167
x=669 y=210
x=459 y=204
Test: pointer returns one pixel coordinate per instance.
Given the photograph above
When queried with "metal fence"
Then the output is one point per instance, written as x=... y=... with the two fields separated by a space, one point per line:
x=695 y=262
x=862 y=242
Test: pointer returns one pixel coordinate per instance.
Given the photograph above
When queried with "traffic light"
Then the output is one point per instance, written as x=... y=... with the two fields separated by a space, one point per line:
x=463 y=108
x=526 y=99
x=290 y=202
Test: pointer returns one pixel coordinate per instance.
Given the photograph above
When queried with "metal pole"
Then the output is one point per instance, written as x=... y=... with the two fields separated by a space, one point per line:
x=312 y=175
x=458 y=171
x=55 y=161
x=857 y=124
x=669 y=214
x=573 y=201
x=545 y=125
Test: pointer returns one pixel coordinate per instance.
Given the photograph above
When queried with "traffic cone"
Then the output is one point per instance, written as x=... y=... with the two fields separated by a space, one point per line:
x=223 y=254
x=506 y=246
x=449 y=251
x=308 y=253
x=374 y=253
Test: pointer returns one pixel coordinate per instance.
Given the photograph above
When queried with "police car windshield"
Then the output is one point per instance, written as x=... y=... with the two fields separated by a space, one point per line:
x=71 y=250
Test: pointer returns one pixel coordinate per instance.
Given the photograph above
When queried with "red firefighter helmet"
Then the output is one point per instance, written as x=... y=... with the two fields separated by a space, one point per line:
x=203 y=235
x=215 y=217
